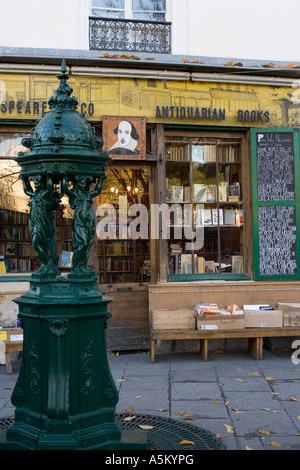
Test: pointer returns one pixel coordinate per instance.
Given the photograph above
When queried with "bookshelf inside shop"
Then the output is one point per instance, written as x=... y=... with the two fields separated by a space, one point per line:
x=204 y=193
x=16 y=251
x=121 y=257
x=123 y=261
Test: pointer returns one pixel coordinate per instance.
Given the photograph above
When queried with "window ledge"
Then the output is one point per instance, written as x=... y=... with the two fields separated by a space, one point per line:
x=208 y=277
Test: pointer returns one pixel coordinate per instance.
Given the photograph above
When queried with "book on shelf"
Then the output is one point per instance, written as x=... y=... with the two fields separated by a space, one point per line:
x=206 y=217
x=200 y=192
x=198 y=153
x=223 y=192
x=229 y=216
x=211 y=193
x=178 y=153
x=175 y=248
x=187 y=193
x=174 y=193
x=227 y=154
x=210 y=267
x=233 y=192
x=65 y=259
x=209 y=153
x=174 y=264
x=217 y=216
x=237 y=264
x=11 y=249
x=239 y=216
x=222 y=267
x=15 y=233
x=201 y=264
x=2 y=267
x=187 y=261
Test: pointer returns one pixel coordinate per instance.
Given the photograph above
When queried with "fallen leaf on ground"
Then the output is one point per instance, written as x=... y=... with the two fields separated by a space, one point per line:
x=185 y=442
x=239 y=380
x=119 y=380
x=129 y=410
x=217 y=403
x=267 y=433
x=145 y=426
x=248 y=448
x=269 y=378
x=229 y=429
x=139 y=396
x=161 y=409
x=182 y=413
x=220 y=436
x=295 y=399
x=219 y=351
x=266 y=409
x=129 y=418
x=276 y=444
x=252 y=373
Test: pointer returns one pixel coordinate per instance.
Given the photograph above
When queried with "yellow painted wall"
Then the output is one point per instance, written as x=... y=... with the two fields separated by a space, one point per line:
x=140 y=97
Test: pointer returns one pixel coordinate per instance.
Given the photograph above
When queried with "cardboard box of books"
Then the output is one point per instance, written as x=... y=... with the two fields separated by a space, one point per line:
x=286 y=307
x=291 y=319
x=210 y=317
x=261 y=316
x=11 y=334
x=173 y=319
x=220 y=322
x=291 y=313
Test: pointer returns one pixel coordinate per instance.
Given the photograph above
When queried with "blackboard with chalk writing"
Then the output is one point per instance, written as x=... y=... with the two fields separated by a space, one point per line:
x=274 y=187
x=275 y=166
x=277 y=240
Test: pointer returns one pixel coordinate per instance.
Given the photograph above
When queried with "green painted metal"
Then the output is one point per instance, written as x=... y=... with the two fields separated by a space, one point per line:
x=256 y=203
x=65 y=396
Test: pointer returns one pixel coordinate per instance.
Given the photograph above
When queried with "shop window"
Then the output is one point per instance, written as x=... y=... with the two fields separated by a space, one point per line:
x=122 y=232
x=204 y=194
x=16 y=252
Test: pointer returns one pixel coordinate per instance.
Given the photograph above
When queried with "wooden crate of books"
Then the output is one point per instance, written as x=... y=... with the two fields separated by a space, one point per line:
x=173 y=319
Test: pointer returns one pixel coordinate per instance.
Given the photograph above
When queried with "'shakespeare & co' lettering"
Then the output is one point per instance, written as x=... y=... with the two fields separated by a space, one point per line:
x=37 y=107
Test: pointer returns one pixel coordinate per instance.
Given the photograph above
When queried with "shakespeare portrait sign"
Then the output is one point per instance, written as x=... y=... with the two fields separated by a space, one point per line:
x=125 y=137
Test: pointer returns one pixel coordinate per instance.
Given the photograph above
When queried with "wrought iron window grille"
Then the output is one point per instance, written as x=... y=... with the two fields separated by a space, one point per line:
x=110 y=34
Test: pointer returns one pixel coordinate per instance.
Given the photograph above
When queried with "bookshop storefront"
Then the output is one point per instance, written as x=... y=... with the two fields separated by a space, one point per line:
x=200 y=204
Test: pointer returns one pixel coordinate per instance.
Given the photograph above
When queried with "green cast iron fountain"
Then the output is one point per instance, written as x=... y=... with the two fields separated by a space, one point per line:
x=65 y=396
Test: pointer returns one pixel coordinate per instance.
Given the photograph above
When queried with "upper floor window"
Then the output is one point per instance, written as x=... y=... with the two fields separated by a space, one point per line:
x=109 y=8
x=146 y=10
x=130 y=26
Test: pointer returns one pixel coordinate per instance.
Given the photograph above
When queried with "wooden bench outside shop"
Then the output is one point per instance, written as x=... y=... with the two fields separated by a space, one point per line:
x=255 y=338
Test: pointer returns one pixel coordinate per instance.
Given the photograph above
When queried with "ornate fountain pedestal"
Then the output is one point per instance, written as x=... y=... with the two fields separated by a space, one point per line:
x=65 y=396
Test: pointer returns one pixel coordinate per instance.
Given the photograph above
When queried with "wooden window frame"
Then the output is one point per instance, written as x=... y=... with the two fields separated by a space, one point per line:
x=162 y=133
x=274 y=203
